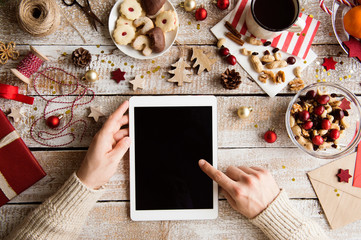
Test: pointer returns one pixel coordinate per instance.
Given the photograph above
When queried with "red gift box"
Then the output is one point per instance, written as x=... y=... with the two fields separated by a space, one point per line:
x=18 y=167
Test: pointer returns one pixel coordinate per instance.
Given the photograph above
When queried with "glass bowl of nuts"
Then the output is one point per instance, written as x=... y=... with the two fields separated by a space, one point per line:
x=324 y=120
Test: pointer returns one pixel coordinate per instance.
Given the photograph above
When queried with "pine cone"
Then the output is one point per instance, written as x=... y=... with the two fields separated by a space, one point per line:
x=81 y=57
x=230 y=79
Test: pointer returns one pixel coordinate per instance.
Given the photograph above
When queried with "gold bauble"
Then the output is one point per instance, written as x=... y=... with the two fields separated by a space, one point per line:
x=189 y=5
x=91 y=76
x=244 y=112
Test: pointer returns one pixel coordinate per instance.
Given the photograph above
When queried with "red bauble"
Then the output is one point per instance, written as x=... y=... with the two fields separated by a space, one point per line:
x=317 y=140
x=201 y=14
x=223 y=4
x=270 y=136
x=53 y=121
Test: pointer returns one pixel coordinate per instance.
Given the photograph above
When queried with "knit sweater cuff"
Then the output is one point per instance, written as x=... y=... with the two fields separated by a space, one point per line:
x=74 y=197
x=280 y=220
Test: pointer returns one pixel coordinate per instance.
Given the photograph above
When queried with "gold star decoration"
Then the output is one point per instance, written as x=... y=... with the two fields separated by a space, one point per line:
x=15 y=114
x=8 y=51
x=138 y=82
x=96 y=113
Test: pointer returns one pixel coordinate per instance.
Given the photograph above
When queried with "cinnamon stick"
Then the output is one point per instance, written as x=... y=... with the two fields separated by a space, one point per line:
x=234 y=38
x=232 y=29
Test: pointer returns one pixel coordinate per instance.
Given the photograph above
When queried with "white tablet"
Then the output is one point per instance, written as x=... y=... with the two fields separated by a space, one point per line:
x=169 y=135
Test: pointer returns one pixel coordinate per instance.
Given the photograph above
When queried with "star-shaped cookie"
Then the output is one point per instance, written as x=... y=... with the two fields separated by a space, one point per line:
x=138 y=82
x=96 y=113
x=15 y=114
x=118 y=75
x=343 y=175
x=354 y=47
x=329 y=63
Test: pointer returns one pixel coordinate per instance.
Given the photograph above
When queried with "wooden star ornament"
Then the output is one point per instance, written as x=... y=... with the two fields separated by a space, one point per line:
x=15 y=114
x=118 y=75
x=343 y=175
x=138 y=82
x=329 y=63
x=354 y=47
x=96 y=113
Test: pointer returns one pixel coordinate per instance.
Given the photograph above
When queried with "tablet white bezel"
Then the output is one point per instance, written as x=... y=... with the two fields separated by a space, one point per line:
x=171 y=101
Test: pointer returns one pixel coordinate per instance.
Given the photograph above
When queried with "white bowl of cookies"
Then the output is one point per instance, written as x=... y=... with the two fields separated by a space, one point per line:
x=143 y=29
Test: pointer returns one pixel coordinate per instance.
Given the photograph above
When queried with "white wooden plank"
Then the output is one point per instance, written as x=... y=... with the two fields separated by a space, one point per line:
x=232 y=131
x=156 y=72
x=288 y=166
x=111 y=221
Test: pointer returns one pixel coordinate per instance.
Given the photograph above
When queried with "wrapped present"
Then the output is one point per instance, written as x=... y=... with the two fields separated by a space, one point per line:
x=18 y=167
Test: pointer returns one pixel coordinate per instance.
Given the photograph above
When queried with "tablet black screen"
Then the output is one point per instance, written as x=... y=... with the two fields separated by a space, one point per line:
x=169 y=141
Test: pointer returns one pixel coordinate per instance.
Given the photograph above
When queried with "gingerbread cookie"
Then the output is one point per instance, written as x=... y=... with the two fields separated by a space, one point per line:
x=145 y=22
x=167 y=21
x=124 y=21
x=124 y=34
x=142 y=43
x=131 y=9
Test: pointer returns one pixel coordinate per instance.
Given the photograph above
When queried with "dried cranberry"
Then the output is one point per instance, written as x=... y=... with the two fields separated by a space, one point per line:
x=317 y=140
x=255 y=53
x=310 y=94
x=224 y=52
x=266 y=52
x=338 y=114
x=275 y=50
x=291 y=60
x=323 y=99
x=267 y=43
x=307 y=125
x=326 y=124
x=232 y=60
x=304 y=115
x=319 y=110
x=334 y=134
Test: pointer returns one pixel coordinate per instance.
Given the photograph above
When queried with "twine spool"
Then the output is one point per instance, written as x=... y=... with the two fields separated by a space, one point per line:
x=38 y=17
x=29 y=65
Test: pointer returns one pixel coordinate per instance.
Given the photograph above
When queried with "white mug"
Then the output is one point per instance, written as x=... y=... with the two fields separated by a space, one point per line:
x=260 y=30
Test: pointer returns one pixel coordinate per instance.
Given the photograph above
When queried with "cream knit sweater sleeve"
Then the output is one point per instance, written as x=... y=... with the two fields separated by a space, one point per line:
x=281 y=221
x=62 y=216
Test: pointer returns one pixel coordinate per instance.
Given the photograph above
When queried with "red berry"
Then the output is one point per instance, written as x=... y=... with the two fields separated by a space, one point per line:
x=319 y=110
x=223 y=4
x=304 y=116
x=224 y=52
x=232 y=60
x=317 y=140
x=325 y=124
x=334 y=134
x=323 y=99
x=308 y=125
x=270 y=136
x=339 y=114
x=201 y=14
x=310 y=95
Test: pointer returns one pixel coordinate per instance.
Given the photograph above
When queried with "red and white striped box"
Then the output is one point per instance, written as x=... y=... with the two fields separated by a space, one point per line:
x=294 y=44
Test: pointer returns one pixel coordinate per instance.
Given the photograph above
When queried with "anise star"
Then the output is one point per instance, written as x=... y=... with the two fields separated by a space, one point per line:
x=118 y=75
x=329 y=63
x=354 y=47
x=8 y=51
x=343 y=175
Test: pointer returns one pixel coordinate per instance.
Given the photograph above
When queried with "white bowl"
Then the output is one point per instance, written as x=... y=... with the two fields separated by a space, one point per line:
x=170 y=37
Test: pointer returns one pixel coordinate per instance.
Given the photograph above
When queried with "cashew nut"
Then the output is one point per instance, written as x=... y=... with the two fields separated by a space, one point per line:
x=276 y=64
x=246 y=52
x=221 y=42
x=297 y=72
x=278 y=56
x=267 y=58
x=254 y=41
x=256 y=62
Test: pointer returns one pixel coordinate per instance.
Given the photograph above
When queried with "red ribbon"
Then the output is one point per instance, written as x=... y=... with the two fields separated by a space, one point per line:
x=12 y=93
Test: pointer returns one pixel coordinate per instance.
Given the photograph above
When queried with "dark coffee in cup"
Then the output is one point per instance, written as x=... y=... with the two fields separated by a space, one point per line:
x=275 y=15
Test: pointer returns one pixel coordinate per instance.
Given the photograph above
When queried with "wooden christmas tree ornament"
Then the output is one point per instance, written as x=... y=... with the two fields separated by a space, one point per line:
x=180 y=72
x=202 y=60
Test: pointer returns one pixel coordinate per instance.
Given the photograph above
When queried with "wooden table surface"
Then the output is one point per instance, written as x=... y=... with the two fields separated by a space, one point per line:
x=240 y=141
